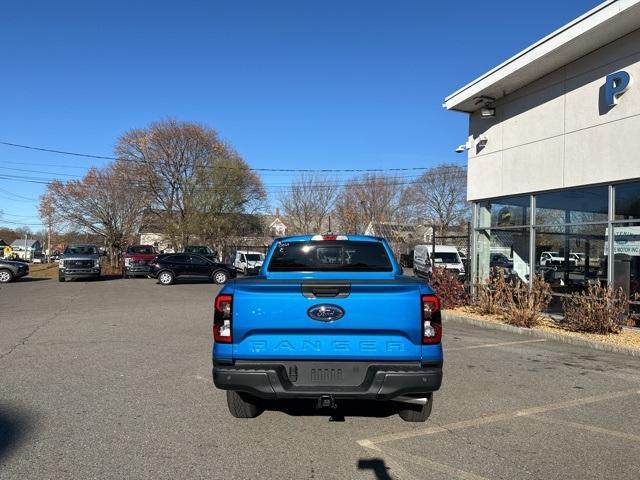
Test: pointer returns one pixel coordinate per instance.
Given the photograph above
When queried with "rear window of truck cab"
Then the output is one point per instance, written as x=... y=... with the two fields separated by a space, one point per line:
x=142 y=249
x=335 y=255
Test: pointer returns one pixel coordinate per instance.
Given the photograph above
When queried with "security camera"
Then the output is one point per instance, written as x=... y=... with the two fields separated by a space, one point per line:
x=487 y=112
x=461 y=149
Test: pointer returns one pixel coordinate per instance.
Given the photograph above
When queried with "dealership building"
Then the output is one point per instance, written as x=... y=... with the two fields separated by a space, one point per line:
x=554 y=155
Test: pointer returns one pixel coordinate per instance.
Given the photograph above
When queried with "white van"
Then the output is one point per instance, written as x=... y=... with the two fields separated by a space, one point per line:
x=249 y=263
x=445 y=256
x=421 y=261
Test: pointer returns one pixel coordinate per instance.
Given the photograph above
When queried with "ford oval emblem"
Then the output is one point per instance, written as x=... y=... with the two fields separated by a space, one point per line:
x=326 y=313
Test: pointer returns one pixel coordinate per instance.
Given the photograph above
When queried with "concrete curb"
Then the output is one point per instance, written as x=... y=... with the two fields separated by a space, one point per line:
x=448 y=316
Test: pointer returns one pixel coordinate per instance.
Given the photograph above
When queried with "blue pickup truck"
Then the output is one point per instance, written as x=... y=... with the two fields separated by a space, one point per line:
x=329 y=318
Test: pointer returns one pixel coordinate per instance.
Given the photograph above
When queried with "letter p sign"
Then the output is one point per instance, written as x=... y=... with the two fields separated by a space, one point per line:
x=616 y=84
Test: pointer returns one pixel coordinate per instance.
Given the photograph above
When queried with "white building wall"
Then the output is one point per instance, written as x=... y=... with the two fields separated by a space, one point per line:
x=554 y=133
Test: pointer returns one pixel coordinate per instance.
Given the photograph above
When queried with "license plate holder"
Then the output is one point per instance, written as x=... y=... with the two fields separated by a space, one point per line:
x=339 y=374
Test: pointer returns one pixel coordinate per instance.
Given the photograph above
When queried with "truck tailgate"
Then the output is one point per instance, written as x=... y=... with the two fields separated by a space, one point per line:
x=381 y=321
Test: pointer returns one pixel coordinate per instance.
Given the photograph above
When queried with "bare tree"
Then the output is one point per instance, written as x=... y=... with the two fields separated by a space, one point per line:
x=309 y=202
x=197 y=183
x=370 y=198
x=439 y=196
x=106 y=202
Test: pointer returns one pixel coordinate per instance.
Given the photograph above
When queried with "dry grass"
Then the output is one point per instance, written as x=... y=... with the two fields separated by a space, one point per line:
x=512 y=299
x=600 y=309
x=43 y=270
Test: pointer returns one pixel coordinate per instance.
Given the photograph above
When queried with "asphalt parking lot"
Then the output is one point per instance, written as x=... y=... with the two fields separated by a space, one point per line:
x=112 y=379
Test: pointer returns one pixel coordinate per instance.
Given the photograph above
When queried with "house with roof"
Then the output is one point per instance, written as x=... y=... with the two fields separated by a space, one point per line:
x=393 y=232
x=26 y=249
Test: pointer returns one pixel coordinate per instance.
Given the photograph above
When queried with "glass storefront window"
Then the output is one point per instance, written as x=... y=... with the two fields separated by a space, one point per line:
x=569 y=258
x=628 y=201
x=504 y=212
x=503 y=250
x=578 y=205
x=626 y=267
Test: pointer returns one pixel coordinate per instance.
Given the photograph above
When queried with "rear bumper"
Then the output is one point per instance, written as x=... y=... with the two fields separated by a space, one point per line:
x=382 y=381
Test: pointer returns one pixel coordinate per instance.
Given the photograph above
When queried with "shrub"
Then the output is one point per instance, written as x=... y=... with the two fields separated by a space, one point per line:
x=449 y=288
x=489 y=298
x=600 y=309
x=524 y=307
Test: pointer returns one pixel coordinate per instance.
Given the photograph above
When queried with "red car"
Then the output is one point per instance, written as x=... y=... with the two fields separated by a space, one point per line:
x=136 y=260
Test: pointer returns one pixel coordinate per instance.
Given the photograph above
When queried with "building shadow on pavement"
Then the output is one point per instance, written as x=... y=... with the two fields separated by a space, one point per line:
x=377 y=466
x=15 y=427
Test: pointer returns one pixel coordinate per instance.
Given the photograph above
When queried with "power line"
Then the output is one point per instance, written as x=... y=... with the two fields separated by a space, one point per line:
x=17 y=196
x=281 y=170
x=4 y=214
x=79 y=177
x=277 y=188
x=22 y=224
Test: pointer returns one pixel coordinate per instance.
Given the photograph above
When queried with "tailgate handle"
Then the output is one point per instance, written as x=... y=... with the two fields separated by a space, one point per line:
x=326 y=291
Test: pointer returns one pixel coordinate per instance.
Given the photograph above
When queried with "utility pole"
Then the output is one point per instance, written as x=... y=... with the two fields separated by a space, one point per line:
x=25 y=248
x=49 y=243
x=433 y=246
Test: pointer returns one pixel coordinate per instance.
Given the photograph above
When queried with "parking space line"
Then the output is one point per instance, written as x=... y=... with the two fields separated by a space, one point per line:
x=491 y=345
x=589 y=428
x=476 y=422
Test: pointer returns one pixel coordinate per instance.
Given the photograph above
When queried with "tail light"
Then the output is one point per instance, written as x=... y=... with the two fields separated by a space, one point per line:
x=222 y=319
x=329 y=236
x=153 y=262
x=431 y=321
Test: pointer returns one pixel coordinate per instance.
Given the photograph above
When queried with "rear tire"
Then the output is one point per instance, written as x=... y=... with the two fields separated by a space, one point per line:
x=242 y=405
x=417 y=413
x=220 y=277
x=165 y=278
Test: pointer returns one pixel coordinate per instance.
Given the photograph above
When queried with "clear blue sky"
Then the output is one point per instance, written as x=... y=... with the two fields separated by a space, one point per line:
x=291 y=84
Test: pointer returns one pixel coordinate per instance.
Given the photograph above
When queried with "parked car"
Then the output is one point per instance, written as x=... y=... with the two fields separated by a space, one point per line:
x=548 y=259
x=580 y=258
x=500 y=260
x=10 y=270
x=202 y=250
x=182 y=266
x=445 y=256
x=135 y=260
x=248 y=262
x=79 y=261
x=330 y=318
x=421 y=261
